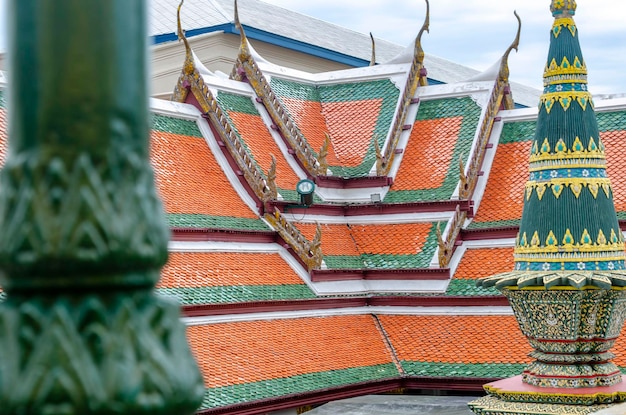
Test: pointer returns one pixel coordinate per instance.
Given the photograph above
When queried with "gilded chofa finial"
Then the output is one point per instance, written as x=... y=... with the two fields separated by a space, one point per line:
x=271 y=179
x=373 y=59
x=504 y=66
x=188 y=66
x=418 y=40
x=244 y=51
x=563 y=8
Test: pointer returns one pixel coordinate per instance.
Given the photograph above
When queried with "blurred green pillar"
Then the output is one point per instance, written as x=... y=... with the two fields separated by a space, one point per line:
x=82 y=232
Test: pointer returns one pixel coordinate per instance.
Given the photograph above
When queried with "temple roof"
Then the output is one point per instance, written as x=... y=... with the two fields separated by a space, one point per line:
x=372 y=288
x=270 y=23
x=252 y=304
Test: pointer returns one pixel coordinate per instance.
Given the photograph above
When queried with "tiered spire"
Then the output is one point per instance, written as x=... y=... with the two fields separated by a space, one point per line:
x=569 y=234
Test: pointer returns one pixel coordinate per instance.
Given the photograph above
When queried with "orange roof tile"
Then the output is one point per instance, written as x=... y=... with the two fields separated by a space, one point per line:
x=428 y=154
x=215 y=269
x=504 y=195
x=615 y=143
x=244 y=352
x=351 y=127
x=189 y=179
x=620 y=349
x=262 y=145
x=457 y=339
x=396 y=239
x=483 y=262
x=307 y=115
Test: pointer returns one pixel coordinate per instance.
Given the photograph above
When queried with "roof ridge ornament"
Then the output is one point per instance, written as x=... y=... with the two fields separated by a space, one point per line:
x=244 y=49
x=189 y=65
x=419 y=51
x=504 y=65
x=373 y=59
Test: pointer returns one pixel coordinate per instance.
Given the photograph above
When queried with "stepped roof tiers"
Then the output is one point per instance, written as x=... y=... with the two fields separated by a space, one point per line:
x=567 y=289
x=372 y=288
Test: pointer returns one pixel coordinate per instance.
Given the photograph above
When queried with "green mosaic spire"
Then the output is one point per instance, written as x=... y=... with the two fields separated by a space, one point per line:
x=569 y=234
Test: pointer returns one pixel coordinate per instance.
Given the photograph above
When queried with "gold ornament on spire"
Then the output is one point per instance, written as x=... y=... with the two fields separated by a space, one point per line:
x=563 y=8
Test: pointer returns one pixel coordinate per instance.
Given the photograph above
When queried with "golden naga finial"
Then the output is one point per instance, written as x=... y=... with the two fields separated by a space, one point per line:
x=271 y=179
x=463 y=185
x=188 y=66
x=504 y=65
x=373 y=59
x=322 y=157
x=419 y=51
x=379 y=157
x=244 y=50
x=503 y=76
x=443 y=248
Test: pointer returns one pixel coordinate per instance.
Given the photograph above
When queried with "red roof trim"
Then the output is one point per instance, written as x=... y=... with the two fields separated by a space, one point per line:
x=439 y=301
x=205 y=310
x=374 y=208
x=416 y=274
x=222 y=235
x=271 y=306
x=334 y=182
x=489 y=233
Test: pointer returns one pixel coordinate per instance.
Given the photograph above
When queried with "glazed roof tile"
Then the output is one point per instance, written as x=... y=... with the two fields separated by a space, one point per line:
x=353 y=114
x=487 y=346
x=247 y=361
x=190 y=181
x=502 y=202
x=251 y=361
x=615 y=143
x=375 y=246
x=442 y=133
x=478 y=263
x=230 y=277
x=250 y=127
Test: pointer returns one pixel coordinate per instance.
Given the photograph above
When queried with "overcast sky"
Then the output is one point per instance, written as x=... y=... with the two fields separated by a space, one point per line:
x=475 y=33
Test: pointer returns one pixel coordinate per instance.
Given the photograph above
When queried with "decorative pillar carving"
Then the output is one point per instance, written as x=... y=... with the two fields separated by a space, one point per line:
x=83 y=235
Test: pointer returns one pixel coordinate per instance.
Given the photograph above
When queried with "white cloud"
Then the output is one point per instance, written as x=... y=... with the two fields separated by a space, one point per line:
x=476 y=32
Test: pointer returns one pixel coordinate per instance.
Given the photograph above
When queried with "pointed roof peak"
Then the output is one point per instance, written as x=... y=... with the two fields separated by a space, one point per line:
x=418 y=39
x=188 y=66
x=563 y=8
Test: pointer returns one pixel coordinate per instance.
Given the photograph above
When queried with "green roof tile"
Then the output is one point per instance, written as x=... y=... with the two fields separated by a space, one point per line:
x=285 y=88
x=436 y=109
x=421 y=259
x=468 y=288
x=237 y=294
x=249 y=392
x=237 y=103
x=188 y=220
x=3 y=103
x=462 y=370
x=513 y=132
x=356 y=91
x=175 y=125
x=494 y=224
